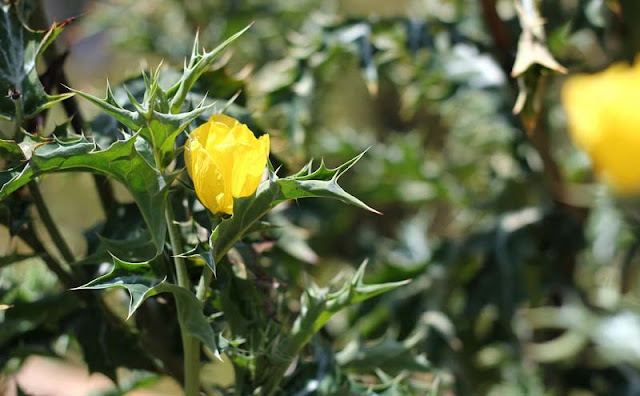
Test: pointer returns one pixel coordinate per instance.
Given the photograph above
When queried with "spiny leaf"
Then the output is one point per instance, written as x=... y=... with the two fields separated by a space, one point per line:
x=203 y=253
x=121 y=161
x=351 y=293
x=130 y=119
x=137 y=278
x=141 y=283
x=196 y=242
x=324 y=173
x=18 y=55
x=136 y=249
x=166 y=127
x=317 y=306
x=158 y=128
x=320 y=305
x=197 y=65
x=276 y=190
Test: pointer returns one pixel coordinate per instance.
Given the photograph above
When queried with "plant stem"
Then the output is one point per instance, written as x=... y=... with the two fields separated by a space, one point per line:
x=207 y=273
x=190 y=346
x=203 y=284
x=51 y=227
x=29 y=237
x=176 y=244
x=19 y=116
x=300 y=335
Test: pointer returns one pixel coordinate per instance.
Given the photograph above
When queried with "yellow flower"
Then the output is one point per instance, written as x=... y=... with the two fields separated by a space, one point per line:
x=225 y=161
x=603 y=113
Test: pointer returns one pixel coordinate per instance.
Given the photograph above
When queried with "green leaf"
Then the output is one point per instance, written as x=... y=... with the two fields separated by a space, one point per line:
x=198 y=64
x=18 y=55
x=320 y=305
x=122 y=161
x=131 y=119
x=24 y=317
x=190 y=315
x=241 y=302
x=137 y=278
x=10 y=150
x=141 y=283
x=307 y=183
x=196 y=243
x=317 y=306
x=391 y=355
x=137 y=248
x=202 y=252
x=166 y=127
x=152 y=115
x=158 y=128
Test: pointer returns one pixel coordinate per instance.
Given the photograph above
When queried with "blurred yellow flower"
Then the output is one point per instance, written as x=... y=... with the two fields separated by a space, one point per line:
x=225 y=161
x=603 y=112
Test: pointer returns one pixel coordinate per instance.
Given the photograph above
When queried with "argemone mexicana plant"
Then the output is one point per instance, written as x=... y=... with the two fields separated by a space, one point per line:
x=199 y=263
x=226 y=163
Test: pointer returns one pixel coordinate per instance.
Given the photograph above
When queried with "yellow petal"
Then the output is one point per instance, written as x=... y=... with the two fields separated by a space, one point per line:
x=604 y=120
x=225 y=160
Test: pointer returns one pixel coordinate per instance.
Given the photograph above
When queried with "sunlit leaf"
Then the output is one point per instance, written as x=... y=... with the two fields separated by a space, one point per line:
x=158 y=128
x=122 y=161
x=197 y=65
x=137 y=278
x=307 y=183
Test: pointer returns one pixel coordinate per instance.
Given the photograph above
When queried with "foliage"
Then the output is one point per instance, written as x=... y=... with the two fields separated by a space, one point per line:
x=498 y=266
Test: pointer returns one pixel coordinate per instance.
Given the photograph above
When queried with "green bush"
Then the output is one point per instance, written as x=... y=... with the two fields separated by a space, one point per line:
x=480 y=256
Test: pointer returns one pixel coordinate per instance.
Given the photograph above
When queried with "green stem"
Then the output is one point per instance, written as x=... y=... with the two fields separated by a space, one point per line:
x=207 y=274
x=289 y=351
x=203 y=284
x=176 y=244
x=19 y=116
x=51 y=227
x=190 y=346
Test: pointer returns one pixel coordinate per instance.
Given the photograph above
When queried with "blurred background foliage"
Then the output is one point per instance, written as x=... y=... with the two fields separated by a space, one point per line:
x=525 y=272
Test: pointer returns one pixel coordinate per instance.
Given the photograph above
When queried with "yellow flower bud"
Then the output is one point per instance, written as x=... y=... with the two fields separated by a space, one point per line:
x=603 y=114
x=225 y=161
